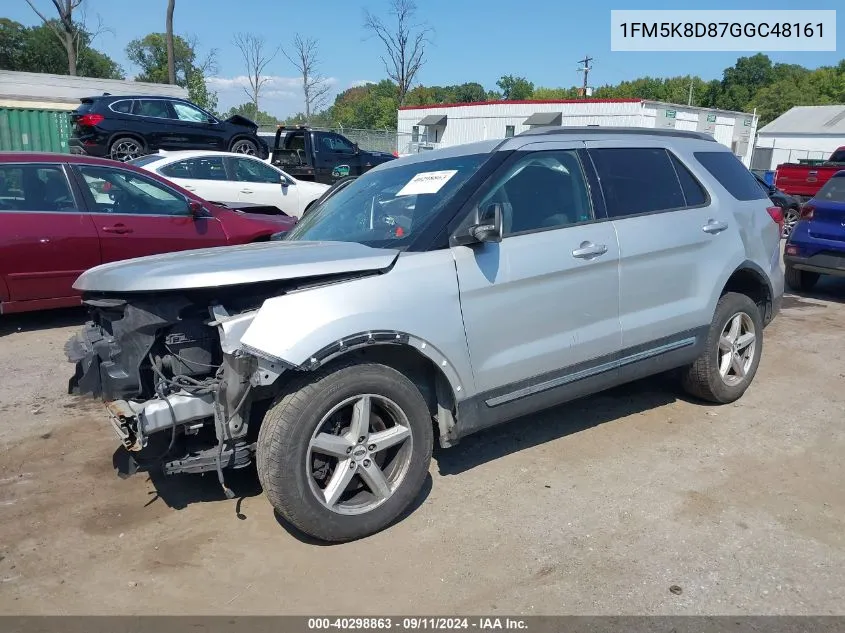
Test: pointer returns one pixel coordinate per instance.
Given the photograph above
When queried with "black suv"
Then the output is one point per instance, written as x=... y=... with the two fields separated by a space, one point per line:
x=125 y=127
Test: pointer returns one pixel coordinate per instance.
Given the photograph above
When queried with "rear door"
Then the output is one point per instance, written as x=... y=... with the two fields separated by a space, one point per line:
x=542 y=305
x=674 y=242
x=47 y=239
x=158 y=124
x=206 y=176
x=135 y=215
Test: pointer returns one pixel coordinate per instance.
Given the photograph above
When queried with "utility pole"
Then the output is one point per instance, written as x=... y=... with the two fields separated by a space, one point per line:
x=689 y=100
x=586 y=70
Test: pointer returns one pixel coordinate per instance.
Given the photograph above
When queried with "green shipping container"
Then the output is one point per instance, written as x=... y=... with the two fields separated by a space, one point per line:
x=24 y=130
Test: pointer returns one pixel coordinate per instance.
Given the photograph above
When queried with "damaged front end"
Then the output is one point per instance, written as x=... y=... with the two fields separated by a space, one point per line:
x=179 y=391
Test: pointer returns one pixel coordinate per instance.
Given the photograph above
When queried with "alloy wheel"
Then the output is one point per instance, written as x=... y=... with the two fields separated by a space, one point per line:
x=737 y=348
x=359 y=454
x=790 y=219
x=244 y=148
x=125 y=150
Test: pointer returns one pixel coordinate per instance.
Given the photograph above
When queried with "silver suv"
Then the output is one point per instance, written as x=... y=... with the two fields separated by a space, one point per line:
x=442 y=293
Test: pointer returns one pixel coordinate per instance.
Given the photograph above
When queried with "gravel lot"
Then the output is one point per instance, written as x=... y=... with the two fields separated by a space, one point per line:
x=597 y=507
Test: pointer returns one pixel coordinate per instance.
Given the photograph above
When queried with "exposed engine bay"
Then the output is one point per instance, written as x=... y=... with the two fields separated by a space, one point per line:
x=174 y=397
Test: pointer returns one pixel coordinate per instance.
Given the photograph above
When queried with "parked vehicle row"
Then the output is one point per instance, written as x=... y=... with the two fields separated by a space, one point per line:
x=62 y=214
x=126 y=127
x=436 y=295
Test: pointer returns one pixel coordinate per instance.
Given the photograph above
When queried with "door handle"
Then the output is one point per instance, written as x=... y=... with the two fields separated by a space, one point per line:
x=190 y=188
x=714 y=227
x=246 y=190
x=119 y=229
x=588 y=250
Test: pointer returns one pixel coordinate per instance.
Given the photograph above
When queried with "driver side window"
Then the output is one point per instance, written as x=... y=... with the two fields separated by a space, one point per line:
x=542 y=190
x=250 y=170
x=121 y=191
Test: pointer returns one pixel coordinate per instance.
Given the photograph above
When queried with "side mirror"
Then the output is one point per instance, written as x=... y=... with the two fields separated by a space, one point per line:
x=488 y=224
x=286 y=182
x=195 y=208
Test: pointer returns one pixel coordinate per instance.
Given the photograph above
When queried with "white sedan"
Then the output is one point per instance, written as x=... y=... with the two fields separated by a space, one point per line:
x=227 y=177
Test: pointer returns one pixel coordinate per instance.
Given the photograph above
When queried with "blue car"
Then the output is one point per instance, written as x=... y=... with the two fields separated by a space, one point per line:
x=817 y=244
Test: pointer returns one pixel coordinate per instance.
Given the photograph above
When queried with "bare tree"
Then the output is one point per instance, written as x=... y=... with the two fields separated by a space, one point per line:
x=67 y=32
x=405 y=43
x=315 y=87
x=171 y=60
x=256 y=59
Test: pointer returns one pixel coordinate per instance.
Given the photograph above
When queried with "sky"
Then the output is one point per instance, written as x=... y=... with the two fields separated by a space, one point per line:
x=472 y=40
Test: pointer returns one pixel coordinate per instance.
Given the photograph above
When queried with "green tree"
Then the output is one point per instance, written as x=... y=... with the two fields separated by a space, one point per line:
x=248 y=110
x=13 y=36
x=370 y=106
x=149 y=53
x=515 y=88
x=555 y=93
x=741 y=81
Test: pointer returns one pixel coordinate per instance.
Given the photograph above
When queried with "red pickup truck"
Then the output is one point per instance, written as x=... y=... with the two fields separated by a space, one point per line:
x=61 y=214
x=804 y=178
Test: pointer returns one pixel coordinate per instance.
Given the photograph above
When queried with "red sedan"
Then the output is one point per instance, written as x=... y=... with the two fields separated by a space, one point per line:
x=61 y=214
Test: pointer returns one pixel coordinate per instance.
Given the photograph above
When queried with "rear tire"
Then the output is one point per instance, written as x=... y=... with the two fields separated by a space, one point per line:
x=244 y=146
x=800 y=280
x=306 y=450
x=732 y=352
x=126 y=148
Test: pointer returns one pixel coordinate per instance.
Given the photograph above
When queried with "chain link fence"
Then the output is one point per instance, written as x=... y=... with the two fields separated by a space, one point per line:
x=389 y=141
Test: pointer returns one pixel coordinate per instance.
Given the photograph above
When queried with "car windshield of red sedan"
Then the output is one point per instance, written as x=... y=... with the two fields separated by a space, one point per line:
x=388 y=207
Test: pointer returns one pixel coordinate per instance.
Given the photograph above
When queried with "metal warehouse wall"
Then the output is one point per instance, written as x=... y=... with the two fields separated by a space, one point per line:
x=470 y=123
x=789 y=149
x=34 y=130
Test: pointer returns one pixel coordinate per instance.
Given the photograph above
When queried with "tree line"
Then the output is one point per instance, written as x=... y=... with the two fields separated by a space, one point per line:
x=63 y=43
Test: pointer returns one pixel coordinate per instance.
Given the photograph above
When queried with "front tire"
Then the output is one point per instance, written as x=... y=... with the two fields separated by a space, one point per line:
x=800 y=280
x=345 y=451
x=244 y=146
x=732 y=352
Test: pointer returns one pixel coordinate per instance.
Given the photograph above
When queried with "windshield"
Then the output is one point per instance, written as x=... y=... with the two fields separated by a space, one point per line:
x=388 y=207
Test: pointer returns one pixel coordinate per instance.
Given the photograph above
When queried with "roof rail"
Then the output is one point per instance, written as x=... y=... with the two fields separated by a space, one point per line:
x=594 y=130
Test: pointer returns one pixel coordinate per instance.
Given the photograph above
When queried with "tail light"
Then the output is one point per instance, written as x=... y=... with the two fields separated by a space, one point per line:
x=90 y=120
x=396 y=154
x=777 y=216
x=807 y=212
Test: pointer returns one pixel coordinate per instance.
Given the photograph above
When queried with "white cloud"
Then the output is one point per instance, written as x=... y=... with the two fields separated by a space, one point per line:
x=279 y=95
x=361 y=82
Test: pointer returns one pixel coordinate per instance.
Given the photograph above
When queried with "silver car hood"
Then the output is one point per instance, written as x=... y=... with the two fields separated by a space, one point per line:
x=233 y=265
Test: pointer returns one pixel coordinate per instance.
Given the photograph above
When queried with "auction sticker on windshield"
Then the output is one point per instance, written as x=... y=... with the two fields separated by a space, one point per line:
x=427 y=182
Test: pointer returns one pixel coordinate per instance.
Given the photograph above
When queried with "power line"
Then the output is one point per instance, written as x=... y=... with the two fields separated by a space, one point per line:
x=586 y=70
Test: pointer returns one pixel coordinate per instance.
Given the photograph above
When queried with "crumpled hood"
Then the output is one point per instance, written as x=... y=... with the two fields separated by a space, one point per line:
x=233 y=265
x=237 y=119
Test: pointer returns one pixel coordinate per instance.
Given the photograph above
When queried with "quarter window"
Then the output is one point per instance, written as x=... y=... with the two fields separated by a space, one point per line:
x=125 y=192
x=543 y=190
x=509 y=131
x=731 y=174
x=200 y=168
x=123 y=107
x=637 y=180
x=34 y=188
x=694 y=193
x=249 y=170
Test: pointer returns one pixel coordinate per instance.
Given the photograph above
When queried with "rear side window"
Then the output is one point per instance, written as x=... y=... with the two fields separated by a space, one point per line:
x=124 y=106
x=833 y=190
x=153 y=108
x=199 y=168
x=35 y=188
x=731 y=174
x=637 y=180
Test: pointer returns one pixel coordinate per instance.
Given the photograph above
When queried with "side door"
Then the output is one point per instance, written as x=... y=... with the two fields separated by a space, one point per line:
x=47 y=238
x=205 y=176
x=200 y=129
x=540 y=307
x=340 y=155
x=672 y=238
x=156 y=123
x=136 y=215
x=260 y=183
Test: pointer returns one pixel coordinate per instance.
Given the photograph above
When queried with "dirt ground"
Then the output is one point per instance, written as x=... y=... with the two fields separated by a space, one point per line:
x=597 y=507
